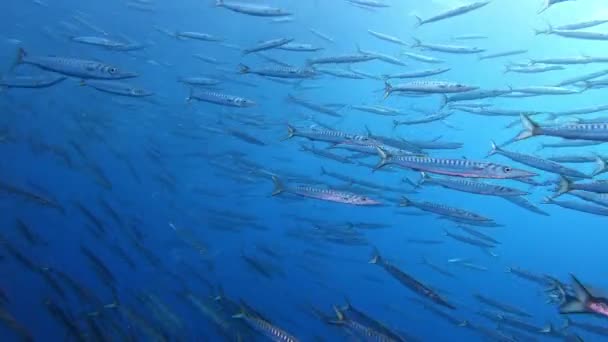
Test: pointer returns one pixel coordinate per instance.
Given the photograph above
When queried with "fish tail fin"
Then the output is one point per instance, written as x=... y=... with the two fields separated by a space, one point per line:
x=464 y=323
x=493 y=148
x=565 y=185
x=291 y=131
x=547 y=329
x=424 y=177
x=190 y=96
x=21 y=54
x=416 y=43
x=530 y=128
x=545 y=7
x=384 y=158
x=418 y=21
x=243 y=69
x=83 y=82
x=388 y=89
x=567 y=323
x=579 y=303
x=323 y=171
x=339 y=316
x=278 y=186
x=219 y=3
x=395 y=124
x=405 y=202
x=602 y=166
x=444 y=101
x=376 y=258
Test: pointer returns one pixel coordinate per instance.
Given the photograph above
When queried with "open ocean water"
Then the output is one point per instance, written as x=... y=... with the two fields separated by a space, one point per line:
x=311 y=170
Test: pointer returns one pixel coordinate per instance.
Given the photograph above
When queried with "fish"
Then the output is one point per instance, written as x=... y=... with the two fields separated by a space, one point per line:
x=312 y=106
x=549 y=3
x=321 y=35
x=501 y=306
x=299 y=47
x=200 y=81
x=252 y=9
x=410 y=282
x=73 y=67
x=469 y=240
x=546 y=90
x=536 y=162
x=578 y=206
x=576 y=34
x=502 y=54
x=387 y=38
x=429 y=118
x=279 y=72
x=369 y=3
x=323 y=194
x=452 y=167
x=474 y=187
x=205 y=37
x=117 y=88
x=267 y=45
x=417 y=73
x=39 y=81
x=422 y=58
x=521 y=201
x=220 y=99
x=451 y=13
x=442 y=210
x=456 y=49
x=263 y=326
x=584 y=302
x=358 y=327
x=532 y=69
x=341 y=59
x=566 y=185
x=593 y=131
x=427 y=87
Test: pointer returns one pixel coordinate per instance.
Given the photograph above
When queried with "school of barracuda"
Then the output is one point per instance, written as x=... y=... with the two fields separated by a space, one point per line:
x=221 y=104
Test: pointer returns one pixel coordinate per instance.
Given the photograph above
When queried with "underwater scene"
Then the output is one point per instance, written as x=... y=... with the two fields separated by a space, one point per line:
x=304 y=170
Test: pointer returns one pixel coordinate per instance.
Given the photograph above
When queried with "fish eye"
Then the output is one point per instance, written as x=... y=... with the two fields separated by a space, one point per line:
x=112 y=70
x=506 y=169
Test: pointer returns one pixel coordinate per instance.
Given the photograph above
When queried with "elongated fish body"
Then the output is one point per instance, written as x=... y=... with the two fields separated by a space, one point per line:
x=326 y=135
x=475 y=232
x=343 y=59
x=473 y=187
x=74 y=67
x=98 y=41
x=267 y=45
x=458 y=49
x=423 y=58
x=251 y=9
x=532 y=69
x=538 y=163
x=597 y=198
x=477 y=95
x=426 y=119
x=340 y=73
x=373 y=326
x=383 y=57
x=443 y=210
x=563 y=60
x=573 y=159
x=503 y=54
x=581 y=25
x=324 y=194
x=369 y=3
x=549 y=3
x=579 y=206
x=200 y=81
x=321 y=35
x=453 y=167
x=220 y=99
x=577 y=131
x=42 y=81
x=427 y=87
x=410 y=282
x=501 y=306
x=470 y=241
x=377 y=110
x=579 y=34
x=583 y=78
x=314 y=107
x=266 y=329
x=386 y=37
x=453 y=12
x=206 y=37
x=418 y=73
x=522 y=202
x=117 y=88
x=369 y=147
x=543 y=90
x=584 y=301
x=299 y=47
x=279 y=72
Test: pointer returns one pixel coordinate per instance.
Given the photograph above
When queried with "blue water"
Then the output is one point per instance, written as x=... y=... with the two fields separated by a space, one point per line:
x=163 y=163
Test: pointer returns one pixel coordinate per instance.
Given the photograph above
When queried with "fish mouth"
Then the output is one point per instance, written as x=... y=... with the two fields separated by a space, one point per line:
x=525 y=174
x=127 y=75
